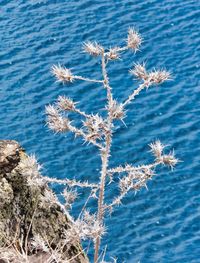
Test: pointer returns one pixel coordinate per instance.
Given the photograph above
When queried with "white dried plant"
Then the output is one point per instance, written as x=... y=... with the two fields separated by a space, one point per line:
x=98 y=130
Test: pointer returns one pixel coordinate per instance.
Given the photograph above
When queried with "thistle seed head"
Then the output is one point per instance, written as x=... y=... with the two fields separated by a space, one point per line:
x=62 y=74
x=86 y=227
x=70 y=197
x=66 y=104
x=56 y=122
x=150 y=78
x=134 y=40
x=30 y=166
x=158 y=76
x=157 y=148
x=59 y=124
x=93 y=48
x=169 y=160
x=95 y=125
x=125 y=183
x=31 y=169
x=116 y=110
x=113 y=53
x=51 y=110
x=139 y=71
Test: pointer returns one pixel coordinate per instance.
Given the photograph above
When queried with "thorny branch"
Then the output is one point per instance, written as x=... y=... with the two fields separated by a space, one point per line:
x=71 y=183
x=99 y=131
x=104 y=154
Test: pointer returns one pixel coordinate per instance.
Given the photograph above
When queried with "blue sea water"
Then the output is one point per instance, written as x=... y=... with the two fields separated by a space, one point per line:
x=162 y=224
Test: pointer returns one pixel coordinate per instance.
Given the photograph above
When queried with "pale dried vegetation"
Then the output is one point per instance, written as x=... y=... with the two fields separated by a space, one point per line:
x=98 y=130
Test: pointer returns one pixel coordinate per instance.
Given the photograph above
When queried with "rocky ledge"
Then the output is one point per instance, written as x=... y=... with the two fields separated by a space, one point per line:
x=33 y=225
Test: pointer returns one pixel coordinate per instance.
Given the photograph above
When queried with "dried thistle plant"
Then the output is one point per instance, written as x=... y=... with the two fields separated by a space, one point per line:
x=98 y=131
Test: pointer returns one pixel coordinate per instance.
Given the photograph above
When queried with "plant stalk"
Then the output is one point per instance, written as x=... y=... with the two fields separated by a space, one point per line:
x=104 y=157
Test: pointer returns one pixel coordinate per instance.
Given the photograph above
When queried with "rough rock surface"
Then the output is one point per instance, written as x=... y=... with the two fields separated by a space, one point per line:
x=27 y=209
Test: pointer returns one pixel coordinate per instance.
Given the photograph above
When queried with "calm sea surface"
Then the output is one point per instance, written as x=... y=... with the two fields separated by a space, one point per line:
x=156 y=226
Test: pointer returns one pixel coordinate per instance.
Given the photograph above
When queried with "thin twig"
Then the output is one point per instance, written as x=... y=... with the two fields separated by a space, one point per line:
x=129 y=168
x=79 y=132
x=104 y=155
x=82 y=113
x=135 y=93
x=71 y=183
x=88 y=79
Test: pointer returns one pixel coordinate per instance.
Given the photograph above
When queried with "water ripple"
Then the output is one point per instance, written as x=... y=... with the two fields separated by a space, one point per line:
x=159 y=225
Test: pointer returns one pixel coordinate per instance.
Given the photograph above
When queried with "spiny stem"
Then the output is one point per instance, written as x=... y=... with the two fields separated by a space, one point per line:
x=82 y=113
x=88 y=79
x=100 y=213
x=118 y=49
x=135 y=93
x=79 y=132
x=129 y=168
x=70 y=182
x=104 y=156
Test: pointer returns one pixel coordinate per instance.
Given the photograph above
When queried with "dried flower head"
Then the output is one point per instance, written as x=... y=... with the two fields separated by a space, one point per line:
x=169 y=160
x=125 y=183
x=30 y=165
x=60 y=124
x=113 y=53
x=88 y=226
x=157 y=148
x=31 y=169
x=139 y=71
x=158 y=76
x=55 y=121
x=95 y=126
x=134 y=40
x=94 y=123
x=62 y=74
x=93 y=48
x=116 y=110
x=66 y=104
x=70 y=196
x=85 y=227
x=51 y=111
